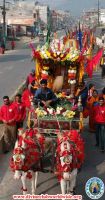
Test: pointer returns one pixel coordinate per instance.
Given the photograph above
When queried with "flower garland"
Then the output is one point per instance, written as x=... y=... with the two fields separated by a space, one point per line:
x=72 y=75
x=45 y=72
x=68 y=114
x=40 y=112
x=78 y=152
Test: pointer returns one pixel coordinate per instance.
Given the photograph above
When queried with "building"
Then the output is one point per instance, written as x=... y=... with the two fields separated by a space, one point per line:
x=92 y=17
x=60 y=19
x=89 y=18
x=102 y=16
x=42 y=16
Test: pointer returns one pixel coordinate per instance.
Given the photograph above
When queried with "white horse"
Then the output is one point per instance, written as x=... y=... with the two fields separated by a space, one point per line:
x=22 y=164
x=66 y=166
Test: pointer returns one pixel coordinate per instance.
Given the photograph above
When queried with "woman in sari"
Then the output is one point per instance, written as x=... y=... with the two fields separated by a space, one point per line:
x=92 y=101
x=91 y=89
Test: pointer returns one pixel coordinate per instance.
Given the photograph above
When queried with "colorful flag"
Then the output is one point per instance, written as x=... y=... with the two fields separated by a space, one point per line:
x=80 y=37
x=48 y=35
x=93 y=62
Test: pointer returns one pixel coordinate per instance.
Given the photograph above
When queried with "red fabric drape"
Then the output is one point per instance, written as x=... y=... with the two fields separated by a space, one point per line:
x=93 y=62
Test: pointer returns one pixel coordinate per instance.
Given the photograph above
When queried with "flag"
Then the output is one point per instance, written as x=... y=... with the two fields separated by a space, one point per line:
x=93 y=62
x=48 y=35
x=85 y=40
x=80 y=37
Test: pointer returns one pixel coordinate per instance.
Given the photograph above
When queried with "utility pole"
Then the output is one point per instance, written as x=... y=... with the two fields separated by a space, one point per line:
x=4 y=21
x=4 y=16
x=98 y=12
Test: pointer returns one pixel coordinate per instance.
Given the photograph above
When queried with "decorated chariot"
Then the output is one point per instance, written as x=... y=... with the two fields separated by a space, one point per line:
x=58 y=128
x=62 y=64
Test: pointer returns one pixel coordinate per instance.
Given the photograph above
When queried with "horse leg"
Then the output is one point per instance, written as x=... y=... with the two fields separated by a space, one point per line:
x=73 y=180
x=34 y=181
x=36 y=178
x=68 y=187
x=23 y=179
x=63 y=187
x=17 y=174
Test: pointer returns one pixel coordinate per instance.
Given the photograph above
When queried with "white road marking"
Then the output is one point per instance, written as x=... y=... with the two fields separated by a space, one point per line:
x=21 y=60
x=8 y=52
x=9 y=67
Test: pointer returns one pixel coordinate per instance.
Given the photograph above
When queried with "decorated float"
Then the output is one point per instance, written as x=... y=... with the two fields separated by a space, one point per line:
x=62 y=64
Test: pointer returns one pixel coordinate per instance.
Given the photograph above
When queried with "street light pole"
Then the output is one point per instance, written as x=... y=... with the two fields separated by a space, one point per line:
x=98 y=12
x=4 y=15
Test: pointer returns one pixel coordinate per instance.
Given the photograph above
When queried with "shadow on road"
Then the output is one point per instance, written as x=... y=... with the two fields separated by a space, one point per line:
x=4 y=164
x=49 y=179
x=49 y=188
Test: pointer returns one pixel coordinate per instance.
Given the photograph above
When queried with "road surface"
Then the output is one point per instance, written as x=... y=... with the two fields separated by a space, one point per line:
x=14 y=67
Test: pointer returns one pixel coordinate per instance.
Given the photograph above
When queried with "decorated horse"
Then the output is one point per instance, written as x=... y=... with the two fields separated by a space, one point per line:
x=27 y=155
x=69 y=158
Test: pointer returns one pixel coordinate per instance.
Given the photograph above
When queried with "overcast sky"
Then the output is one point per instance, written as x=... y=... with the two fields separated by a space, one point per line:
x=75 y=6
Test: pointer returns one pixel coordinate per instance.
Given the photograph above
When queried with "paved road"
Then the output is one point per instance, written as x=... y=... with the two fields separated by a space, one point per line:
x=14 y=67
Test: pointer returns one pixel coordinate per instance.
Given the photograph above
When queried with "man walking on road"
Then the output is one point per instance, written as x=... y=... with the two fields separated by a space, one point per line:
x=2 y=47
x=21 y=111
x=12 y=44
x=8 y=116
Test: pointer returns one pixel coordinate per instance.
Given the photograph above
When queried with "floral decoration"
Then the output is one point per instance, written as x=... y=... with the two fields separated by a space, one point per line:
x=45 y=72
x=68 y=114
x=72 y=75
x=59 y=112
x=40 y=112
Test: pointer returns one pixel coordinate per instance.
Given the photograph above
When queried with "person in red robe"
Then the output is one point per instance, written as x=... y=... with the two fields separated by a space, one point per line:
x=99 y=118
x=30 y=78
x=21 y=111
x=92 y=101
x=28 y=94
x=8 y=116
x=12 y=44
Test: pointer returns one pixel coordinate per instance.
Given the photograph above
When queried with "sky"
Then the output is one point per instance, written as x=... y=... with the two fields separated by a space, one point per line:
x=75 y=6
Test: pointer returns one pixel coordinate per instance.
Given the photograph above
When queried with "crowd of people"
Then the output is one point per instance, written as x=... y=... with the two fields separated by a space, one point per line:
x=13 y=114
x=95 y=109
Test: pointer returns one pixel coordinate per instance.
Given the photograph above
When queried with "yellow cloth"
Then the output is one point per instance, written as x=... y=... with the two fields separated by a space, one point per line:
x=38 y=69
x=50 y=82
x=102 y=61
x=81 y=122
x=89 y=53
x=81 y=72
x=28 y=121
